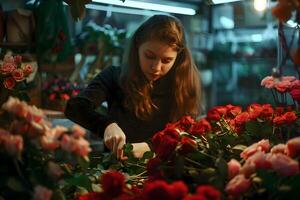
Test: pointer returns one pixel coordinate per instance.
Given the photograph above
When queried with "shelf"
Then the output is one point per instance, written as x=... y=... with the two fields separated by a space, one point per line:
x=16 y=45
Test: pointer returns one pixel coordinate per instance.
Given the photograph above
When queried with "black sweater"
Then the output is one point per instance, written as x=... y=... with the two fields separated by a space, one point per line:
x=105 y=87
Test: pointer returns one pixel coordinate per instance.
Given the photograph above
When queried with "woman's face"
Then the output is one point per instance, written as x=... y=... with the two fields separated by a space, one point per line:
x=156 y=59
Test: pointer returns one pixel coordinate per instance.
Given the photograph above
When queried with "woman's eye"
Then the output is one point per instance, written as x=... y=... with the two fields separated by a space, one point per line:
x=149 y=56
x=166 y=61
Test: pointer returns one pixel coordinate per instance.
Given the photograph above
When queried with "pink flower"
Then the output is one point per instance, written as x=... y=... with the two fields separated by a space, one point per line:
x=238 y=185
x=234 y=167
x=78 y=131
x=279 y=148
x=268 y=82
x=259 y=160
x=282 y=86
x=283 y=164
x=18 y=75
x=82 y=147
x=7 y=68
x=262 y=145
x=42 y=193
x=288 y=78
x=27 y=70
x=13 y=144
x=9 y=83
x=248 y=168
x=50 y=141
x=293 y=147
x=18 y=59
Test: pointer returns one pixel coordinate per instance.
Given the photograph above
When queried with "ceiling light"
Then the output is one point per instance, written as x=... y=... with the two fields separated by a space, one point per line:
x=149 y=6
x=121 y=10
x=260 y=5
x=223 y=1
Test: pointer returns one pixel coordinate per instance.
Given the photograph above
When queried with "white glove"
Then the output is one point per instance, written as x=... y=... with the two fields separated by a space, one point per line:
x=114 y=138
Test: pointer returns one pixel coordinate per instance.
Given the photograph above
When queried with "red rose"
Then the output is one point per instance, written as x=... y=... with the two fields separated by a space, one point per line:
x=216 y=113
x=178 y=190
x=290 y=117
x=18 y=59
x=188 y=145
x=18 y=75
x=185 y=123
x=295 y=93
x=112 y=183
x=209 y=192
x=233 y=110
x=91 y=196
x=157 y=190
x=64 y=97
x=241 y=119
x=200 y=128
x=195 y=197
x=165 y=142
x=153 y=168
x=267 y=111
x=9 y=83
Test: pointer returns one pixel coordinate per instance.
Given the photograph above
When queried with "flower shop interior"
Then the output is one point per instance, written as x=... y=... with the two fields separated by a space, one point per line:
x=245 y=144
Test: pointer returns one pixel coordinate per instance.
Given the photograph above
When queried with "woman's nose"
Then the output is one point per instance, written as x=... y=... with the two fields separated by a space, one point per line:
x=156 y=65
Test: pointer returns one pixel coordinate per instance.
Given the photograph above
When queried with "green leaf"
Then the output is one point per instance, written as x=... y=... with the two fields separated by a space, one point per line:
x=83 y=162
x=15 y=184
x=80 y=180
x=239 y=147
x=148 y=155
x=222 y=168
x=252 y=127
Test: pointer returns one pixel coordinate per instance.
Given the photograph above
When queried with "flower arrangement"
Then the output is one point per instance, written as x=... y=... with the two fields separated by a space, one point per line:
x=13 y=74
x=230 y=154
x=58 y=91
x=37 y=161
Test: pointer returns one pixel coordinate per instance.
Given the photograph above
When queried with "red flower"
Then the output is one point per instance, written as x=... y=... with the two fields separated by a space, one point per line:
x=113 y=183
x=185 y=123
x=165 y=142
x=216 y=113
x=18 y=59
x=233 y=111
x=91 y=196
x=241 y=119
x=153 y=168
x=195 y=197
x=188 y=145
x=200 y=128
x=9 y=83
x=178 y=190
x=18 y=75
x=157 y=190
x=209 y=192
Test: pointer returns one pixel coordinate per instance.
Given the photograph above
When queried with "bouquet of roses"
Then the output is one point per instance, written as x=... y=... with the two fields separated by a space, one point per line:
x=58 y=91
x=13 y=73
x=38 y=161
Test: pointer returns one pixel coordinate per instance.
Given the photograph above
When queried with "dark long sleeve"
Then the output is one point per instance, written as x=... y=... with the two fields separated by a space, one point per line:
x=81 y=109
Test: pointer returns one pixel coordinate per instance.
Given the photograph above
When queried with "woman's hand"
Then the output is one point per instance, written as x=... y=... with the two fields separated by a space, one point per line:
x=114 y=139
x=139 y=149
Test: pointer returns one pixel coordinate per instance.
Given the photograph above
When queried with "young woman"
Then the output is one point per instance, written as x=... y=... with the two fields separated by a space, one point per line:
x=159 y=83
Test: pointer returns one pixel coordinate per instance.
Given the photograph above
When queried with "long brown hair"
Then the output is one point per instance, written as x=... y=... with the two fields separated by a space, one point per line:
x=186 y=85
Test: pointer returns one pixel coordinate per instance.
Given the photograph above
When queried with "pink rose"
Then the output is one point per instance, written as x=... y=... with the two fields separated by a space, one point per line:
x=82 y=147
x=9 y=83
x=7 y=68
x=27 y=70
x=262 y=145
x=238 y=185
x=42 y=193
x=18 y=75
x=234 y=167
x=248 y=168
x=78 y=131
x=293 y=147
x=283 y=164
x=259 y=160
x=280 y=148
x=268 y=82
x=282 y=86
